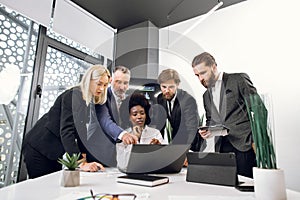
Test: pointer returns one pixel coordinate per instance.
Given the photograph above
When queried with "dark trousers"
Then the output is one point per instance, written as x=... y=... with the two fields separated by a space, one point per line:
x=245 y=160
x=37 y=164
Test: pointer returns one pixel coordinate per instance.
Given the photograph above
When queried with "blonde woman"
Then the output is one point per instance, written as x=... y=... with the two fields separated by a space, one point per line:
x=66 y=127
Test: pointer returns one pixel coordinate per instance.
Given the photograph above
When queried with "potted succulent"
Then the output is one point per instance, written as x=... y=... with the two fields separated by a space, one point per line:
x=269 y=181
x=70 y=175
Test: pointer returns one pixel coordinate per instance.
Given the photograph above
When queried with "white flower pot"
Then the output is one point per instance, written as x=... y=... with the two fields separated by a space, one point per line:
x=70 y=178
x=269 y=184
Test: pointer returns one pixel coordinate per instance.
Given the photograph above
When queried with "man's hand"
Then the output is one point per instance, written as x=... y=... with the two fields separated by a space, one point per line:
x=205 y=134
x=91 y=167
x=128 y=138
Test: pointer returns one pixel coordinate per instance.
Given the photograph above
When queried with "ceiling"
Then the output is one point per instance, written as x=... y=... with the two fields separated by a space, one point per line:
x=120 y=14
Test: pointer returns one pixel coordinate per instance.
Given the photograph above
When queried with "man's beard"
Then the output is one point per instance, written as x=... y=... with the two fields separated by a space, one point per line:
x=169 y=97
x=120 y=93
x=211 y=81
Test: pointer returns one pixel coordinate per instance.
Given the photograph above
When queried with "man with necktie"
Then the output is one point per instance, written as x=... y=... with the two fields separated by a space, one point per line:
x=116 y=93
x=182 y=119
x=225 y=103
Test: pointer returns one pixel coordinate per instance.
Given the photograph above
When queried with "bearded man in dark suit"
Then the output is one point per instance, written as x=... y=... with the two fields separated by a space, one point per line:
x=179 y=113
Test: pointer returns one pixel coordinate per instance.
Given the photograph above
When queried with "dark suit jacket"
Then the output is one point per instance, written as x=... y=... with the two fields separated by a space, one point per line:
x=235 y=91
x=184 y=117
x=64 y=128
x=45 y=134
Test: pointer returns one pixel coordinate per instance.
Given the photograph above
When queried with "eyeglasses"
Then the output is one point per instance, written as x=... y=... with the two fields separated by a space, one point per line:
x=125 y=196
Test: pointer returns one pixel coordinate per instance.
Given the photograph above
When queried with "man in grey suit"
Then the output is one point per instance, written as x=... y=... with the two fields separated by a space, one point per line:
x=112 y=108
x=116 y=94
x=225 y=103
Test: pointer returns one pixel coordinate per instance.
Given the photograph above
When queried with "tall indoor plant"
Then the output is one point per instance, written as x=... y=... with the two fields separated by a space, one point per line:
x=269 y=181
x=71 y=174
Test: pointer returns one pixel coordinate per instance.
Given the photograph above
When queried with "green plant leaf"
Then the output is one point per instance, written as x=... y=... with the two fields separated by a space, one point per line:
x=261 y=132
x=70 y=162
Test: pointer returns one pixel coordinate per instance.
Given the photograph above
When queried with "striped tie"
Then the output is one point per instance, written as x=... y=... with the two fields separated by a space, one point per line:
x=168 y=123
x=169 y=130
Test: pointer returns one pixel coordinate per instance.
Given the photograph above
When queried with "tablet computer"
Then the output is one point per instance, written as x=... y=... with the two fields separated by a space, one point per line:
x=213 y=168
x=218 y=127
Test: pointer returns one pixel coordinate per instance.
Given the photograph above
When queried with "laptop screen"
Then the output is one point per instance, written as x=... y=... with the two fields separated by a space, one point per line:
x=158 y=158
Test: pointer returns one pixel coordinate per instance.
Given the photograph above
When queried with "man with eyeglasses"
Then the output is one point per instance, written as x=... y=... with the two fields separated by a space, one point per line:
x=181 y=113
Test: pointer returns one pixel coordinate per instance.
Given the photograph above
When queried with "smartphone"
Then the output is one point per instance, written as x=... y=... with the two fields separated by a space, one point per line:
x=245 y=188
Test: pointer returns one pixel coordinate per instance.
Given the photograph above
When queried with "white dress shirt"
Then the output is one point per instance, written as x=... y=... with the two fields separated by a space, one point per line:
x=216 y=94
x=123 y=150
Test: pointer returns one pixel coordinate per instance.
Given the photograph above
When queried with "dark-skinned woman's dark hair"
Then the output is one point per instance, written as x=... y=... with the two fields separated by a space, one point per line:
x=139 y=99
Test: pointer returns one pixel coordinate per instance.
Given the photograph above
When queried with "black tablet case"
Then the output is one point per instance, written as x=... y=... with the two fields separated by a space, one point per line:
x=212 y=168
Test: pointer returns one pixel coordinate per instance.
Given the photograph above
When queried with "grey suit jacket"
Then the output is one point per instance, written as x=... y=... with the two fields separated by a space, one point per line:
x=121 y=116
x=112 y=106
x=235 y=91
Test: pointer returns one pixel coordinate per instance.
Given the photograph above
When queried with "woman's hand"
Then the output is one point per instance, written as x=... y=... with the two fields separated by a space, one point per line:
x=137 y=131
x=91 y=167
x=154 y=141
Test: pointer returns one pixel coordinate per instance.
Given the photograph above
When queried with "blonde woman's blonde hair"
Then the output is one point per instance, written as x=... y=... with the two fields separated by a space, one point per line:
x=93 y=73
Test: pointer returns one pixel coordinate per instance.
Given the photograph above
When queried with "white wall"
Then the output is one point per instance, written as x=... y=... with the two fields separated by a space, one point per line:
x=260 y=37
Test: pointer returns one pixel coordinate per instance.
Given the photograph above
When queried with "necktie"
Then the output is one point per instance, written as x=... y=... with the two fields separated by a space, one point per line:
x=119 y=101
x=169 y=130
x=169 y=108
x=168 y=123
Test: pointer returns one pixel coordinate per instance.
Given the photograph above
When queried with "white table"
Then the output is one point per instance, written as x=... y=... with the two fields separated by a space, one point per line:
x=48 y=187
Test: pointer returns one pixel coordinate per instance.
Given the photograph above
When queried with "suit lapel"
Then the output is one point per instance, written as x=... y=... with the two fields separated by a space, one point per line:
x=175 y=111
x=115 y=110
x=113 y=106
x=223 y=99
x=212 y=104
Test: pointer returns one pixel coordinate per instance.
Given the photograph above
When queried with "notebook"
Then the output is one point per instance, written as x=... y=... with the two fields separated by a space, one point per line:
x=157 y=158
x=143 y=180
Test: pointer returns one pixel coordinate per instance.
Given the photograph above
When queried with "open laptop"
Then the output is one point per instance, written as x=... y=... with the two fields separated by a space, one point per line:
x=156 y=159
